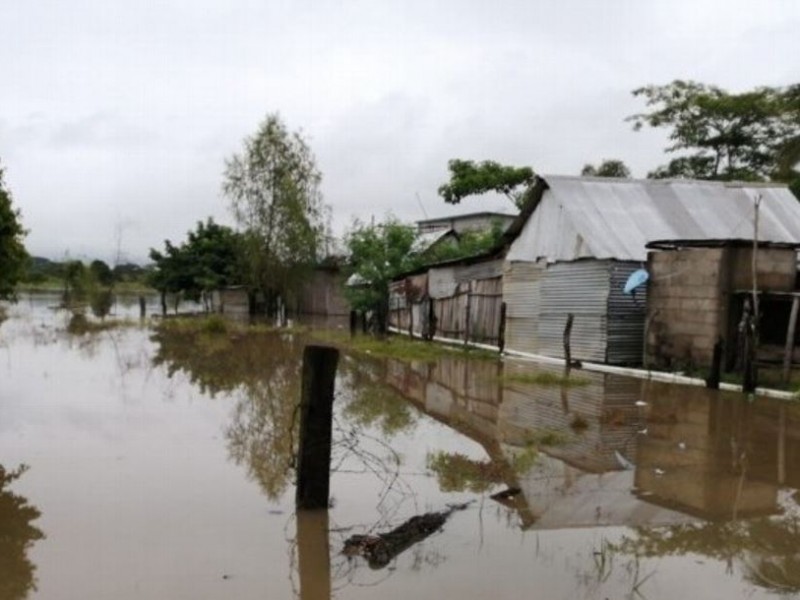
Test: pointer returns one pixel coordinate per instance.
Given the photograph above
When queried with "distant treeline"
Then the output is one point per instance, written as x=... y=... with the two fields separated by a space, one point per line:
x=43 y=271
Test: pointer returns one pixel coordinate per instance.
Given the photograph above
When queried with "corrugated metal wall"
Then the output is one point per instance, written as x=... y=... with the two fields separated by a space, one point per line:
x=521 y=290
x=626 y=317
x=581 y=288
x=608 y=324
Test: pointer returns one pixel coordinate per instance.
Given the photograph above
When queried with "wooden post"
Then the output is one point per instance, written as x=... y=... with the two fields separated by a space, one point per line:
x=748 y=333
x=790 y=332
x=466 y=321
x=316 y=416
x=567 y=349
x=142 y=307
x=313 y=555
x=501 y=334
x=712 y=382
x=353 y=323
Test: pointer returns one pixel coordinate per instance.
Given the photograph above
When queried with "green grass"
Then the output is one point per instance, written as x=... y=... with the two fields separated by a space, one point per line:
x=545 y=378
x=215 y=324
x=80 y=324
x=400 y=347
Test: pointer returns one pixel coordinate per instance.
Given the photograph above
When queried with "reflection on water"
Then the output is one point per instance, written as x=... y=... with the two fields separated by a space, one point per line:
x=17 y=536
x=162 y=462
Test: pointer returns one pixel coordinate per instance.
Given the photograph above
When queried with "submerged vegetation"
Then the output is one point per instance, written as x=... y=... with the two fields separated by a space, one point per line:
x=401 y=347
x=545 y=378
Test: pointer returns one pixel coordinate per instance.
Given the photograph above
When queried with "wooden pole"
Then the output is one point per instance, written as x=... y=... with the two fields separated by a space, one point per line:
x=567 y=348
x=353 y=323
x=712 y=382
x=501 y=334
x=466 y=322
x=316 y=416
x=142 y=307
x=790 y=333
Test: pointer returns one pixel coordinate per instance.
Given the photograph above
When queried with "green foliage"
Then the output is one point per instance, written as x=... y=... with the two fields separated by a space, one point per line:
x=17 y=535
x=207 y=260
x=273 y=186
x=726 y=136
x=13 y=257
x=607 y=168
x=469 y=243
x=378 y=253
x=468 y=178
x=102 y=273
x=546 y=378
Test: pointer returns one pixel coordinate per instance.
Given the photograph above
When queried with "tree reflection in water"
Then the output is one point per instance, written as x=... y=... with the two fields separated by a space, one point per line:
x=262 y=369
x=767 y=548
x=17 y=535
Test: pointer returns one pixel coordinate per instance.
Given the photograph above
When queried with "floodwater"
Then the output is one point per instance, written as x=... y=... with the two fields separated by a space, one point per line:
x=139 y=464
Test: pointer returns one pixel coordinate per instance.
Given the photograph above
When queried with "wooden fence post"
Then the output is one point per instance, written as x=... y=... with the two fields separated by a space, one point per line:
x=790 y=332
x=466 y=321
x=142 y=307
x=712 y=382
x=316 y=416
x=567 y=348
x=501 y=334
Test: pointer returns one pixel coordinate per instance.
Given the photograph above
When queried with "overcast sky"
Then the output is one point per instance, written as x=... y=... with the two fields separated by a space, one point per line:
x=116 y=116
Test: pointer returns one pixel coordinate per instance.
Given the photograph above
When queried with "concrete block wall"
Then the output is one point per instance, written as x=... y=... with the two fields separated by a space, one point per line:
x=685 y=306
x=689 y=297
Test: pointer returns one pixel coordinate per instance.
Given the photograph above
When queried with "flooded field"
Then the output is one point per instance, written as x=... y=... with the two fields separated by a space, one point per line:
x=137 y=463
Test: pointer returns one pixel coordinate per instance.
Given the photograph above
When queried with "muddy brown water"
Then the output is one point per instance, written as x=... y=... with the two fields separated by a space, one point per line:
x=160 y=466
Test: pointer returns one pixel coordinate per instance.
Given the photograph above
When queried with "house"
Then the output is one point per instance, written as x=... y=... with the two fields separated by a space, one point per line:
x=478 y=221
x=580 y=238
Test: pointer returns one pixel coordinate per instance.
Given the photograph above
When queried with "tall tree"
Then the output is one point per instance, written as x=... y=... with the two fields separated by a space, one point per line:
x=273 y=185
x=13 y=257
x=721 y=135
x=607 y=168
x=468 y=178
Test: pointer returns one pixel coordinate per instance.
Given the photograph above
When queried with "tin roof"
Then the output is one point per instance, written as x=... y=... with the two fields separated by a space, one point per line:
x=595 y=217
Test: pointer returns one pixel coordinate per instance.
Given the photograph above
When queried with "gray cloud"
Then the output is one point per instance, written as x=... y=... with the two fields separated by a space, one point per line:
x=119 y=112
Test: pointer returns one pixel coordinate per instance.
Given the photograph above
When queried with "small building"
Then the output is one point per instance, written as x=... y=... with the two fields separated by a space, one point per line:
x=578 y=239
x=232 y=300
x=478 y=221
x=697 y=292
x=323 y=293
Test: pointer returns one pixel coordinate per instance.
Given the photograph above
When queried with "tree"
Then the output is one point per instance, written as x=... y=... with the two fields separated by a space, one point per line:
x=206 y=261
x=607 y=168
x=102 y=273
x=468 y=178
x=378 y=253
x=273 y=186
x=13 y=257
x=725 y=136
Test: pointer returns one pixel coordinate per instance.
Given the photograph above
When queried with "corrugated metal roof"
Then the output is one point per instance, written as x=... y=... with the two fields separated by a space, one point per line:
x=582 y=217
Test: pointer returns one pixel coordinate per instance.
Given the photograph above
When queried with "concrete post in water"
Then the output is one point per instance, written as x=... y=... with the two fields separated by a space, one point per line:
x=316 y=415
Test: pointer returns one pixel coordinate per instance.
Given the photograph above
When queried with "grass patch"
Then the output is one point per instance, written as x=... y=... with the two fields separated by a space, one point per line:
x=547 y=437
x=80 y=324
x=401 y=347
x=215 y=324
x=545 y=378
